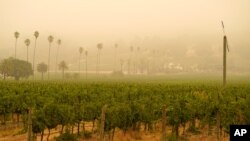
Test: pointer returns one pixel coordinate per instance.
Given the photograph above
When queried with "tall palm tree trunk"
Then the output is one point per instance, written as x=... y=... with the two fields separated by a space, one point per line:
x=57 y=50
x=15 y=47
x=115 y=59
x=86 y=69
x=49 y=60
x=98 y=56
x=128 y=66
x=15 y=58
x=27 y=54
x=79 y=67
x=34 y=54
x=97 y=61
x=121 y=67
x=63 y=73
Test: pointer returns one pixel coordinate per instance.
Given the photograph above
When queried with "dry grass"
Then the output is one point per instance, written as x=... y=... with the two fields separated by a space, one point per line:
x=9 y=135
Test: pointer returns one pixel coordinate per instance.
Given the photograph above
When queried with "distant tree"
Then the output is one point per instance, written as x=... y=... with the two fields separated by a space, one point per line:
x=5 y=67
x=63 y=66
x=59 y=42
x=50 y=39
x=80 y=51
x=15 y=68
x=99 y=47
x=36 y=34
x=27 y=43
x=16 y=34
x=42 y=68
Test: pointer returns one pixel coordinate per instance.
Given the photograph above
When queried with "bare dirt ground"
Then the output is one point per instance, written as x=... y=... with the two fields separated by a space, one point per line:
x=11 y=135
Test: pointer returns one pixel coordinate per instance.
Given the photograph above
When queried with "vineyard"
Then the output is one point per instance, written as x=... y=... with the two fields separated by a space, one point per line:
x=137 y=106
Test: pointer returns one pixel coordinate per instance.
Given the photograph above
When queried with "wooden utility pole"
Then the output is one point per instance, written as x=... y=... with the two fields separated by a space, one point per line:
x=224 y=60
x=164 y=123
x=104 y=108
x=225 y=48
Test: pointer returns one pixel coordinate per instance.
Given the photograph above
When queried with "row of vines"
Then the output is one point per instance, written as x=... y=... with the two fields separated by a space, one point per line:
x=130 y=105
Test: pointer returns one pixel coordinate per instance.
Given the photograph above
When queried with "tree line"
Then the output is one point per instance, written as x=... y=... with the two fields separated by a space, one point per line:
x=18 y=68
x=136 y=62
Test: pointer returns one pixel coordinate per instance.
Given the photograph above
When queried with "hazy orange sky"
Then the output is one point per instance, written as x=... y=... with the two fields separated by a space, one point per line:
x=86 y=22
x=105 y=19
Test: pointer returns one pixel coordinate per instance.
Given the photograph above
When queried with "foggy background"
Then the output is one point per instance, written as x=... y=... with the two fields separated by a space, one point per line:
x=173 y=35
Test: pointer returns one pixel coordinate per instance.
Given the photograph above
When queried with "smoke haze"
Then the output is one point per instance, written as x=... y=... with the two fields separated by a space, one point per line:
x=176 y=34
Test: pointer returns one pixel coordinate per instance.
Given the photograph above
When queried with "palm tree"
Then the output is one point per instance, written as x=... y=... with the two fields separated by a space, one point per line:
x=99 y=47
x=115 y=57
x=16 y=34
x=86 y=63
x=63 y=66
x=59 y=42
x=50 y=39
x=27 y=43
x=36 y=34
x=80 y=51
x=42 y=68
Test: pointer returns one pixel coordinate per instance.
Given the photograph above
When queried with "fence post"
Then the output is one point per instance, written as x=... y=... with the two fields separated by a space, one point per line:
x=164 y=123
x=30 y=138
